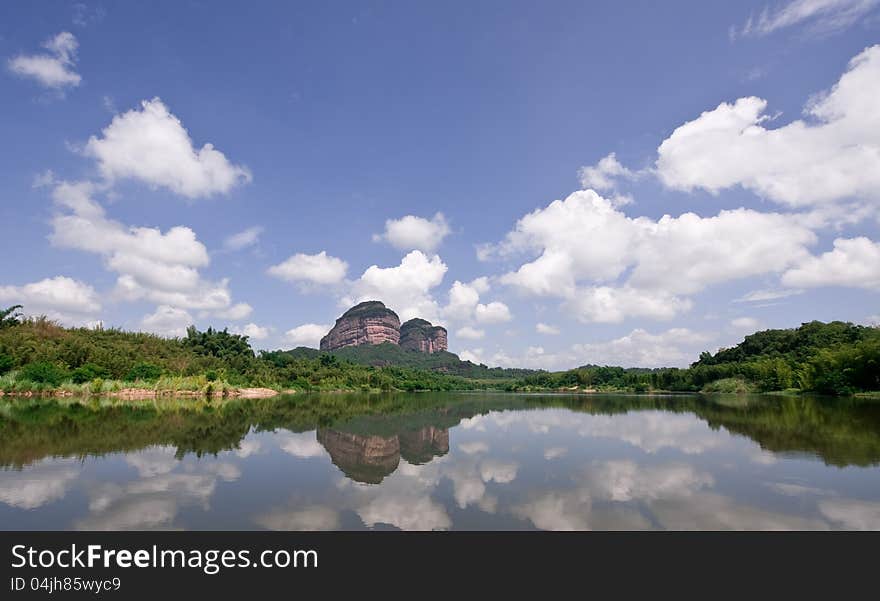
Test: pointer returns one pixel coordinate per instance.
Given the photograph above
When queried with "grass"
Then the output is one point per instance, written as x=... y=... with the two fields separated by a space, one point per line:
x=729 y=385
x=11 y=384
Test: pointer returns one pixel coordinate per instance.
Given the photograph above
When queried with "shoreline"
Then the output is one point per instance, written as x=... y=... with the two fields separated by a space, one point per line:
x=134 y=394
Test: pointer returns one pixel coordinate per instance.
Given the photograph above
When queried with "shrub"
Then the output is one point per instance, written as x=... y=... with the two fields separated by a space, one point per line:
x=6 y=363
x=43 y=372
x=87 y=373
x=144 y=371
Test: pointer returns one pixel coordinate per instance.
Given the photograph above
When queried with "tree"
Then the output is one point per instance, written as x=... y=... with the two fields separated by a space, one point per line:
x=10 y=317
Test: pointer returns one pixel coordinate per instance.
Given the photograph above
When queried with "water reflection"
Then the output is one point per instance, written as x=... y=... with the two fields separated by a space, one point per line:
x=421 y=462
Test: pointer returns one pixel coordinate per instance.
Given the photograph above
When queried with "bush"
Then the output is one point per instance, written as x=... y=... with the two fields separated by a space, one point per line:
x=87 y=373
x=6 y=363
x=43 y=372
x=144 y=371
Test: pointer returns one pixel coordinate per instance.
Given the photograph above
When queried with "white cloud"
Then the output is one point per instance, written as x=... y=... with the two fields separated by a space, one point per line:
x=152 y=265
x=854 y=262
x=314 y=517
x=601 y=177
x=70 y=301
x=831 y=157
x=301 y=444
x=253 y=331
x=584 y=244
x=235 y=312
x=151 y=145
x=38 y=485
x=543 y=328
x=167 y=321
x=745 y=324
x=676 y=347
x=54 y=70
x=852 y=514
x=470 y=333
x=494 y=312
x=415 y=233
x=768 y=294
x=464 y=306
x=472 y=355
x=308 y=334
x=607 y=304
x=243 y=239
x=318 y=269
x=820 y=16
x=404 y=288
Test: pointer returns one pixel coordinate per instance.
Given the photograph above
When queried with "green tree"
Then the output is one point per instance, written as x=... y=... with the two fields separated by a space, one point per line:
x=10 y=317
x=144 y=371
x=43 y=372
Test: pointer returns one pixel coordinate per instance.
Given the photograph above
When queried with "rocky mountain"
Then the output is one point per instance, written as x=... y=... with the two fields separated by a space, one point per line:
x=419 y=335
x=370 y=322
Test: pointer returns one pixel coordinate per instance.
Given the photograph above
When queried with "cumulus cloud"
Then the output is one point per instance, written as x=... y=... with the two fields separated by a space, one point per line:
x=65 y=299
x=469 y=333
x=820 y=16
x=152 y=146
x=308 y=334
x=319 y=269
x=405 y=288
x=604 y=175
x=832 y=156
x=253 y=331
x=494 y=312
x=584 y=245
x=464 y=305
x=415 y=233
x=167 y=321
x=152 y=265
x=854 y=263
x=40 y=484
x=55 y=70
x=243 y=239
x=547 y=329
x=235 y=312
x=676 y=347
x=745 y=324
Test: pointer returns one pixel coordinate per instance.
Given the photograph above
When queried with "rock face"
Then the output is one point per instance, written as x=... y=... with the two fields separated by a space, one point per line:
x=362 y=458
x=420 y=335
x=369 y=458
x=422 y=445
x=370 y=322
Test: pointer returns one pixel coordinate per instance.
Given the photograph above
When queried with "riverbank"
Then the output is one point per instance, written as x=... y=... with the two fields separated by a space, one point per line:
x=134 y=394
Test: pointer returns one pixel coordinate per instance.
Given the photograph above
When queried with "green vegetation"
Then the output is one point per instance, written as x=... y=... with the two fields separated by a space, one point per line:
x=385 y=354
x=10 y=317
x=841 y=432
x=828 y=358
x=38 y=355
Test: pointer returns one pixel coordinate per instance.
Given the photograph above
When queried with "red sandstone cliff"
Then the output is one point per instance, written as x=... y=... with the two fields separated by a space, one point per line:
x=370 y=322
x=420 y=335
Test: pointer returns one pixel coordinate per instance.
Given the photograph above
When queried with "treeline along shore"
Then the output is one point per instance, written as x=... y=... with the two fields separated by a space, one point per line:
x=40 y=357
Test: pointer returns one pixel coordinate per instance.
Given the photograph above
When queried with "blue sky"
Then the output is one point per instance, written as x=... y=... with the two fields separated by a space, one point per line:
x=412 y=152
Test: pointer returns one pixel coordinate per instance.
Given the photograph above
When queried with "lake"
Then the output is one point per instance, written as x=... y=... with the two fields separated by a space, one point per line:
x=442 y=461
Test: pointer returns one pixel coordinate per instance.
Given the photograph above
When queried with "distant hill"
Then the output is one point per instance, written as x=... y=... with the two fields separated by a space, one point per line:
x=391 y=354
x=795 y=345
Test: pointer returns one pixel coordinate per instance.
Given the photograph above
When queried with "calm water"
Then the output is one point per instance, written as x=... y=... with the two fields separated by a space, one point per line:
x=444 y=461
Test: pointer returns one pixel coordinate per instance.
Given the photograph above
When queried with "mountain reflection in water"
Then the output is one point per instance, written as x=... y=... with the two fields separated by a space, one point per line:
x=439 y=461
